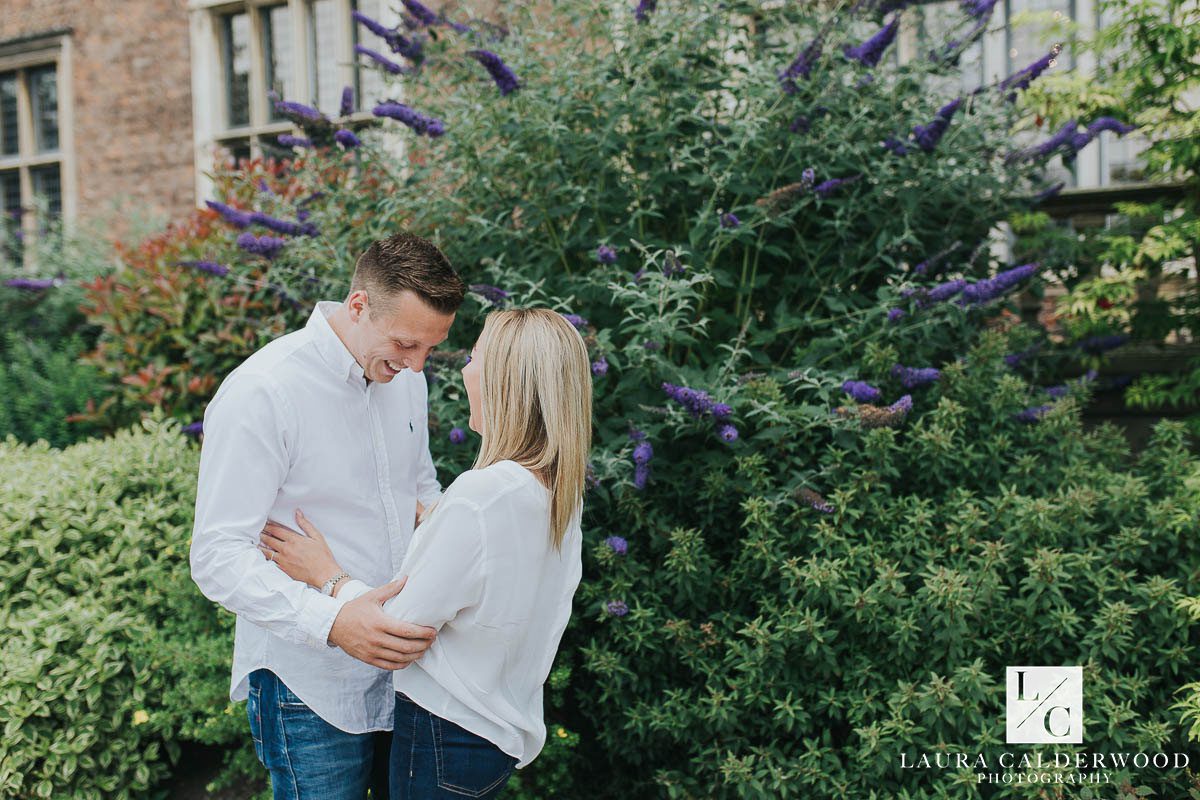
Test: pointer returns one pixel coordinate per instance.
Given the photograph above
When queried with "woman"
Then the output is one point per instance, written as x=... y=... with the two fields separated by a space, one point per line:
x=493 y=565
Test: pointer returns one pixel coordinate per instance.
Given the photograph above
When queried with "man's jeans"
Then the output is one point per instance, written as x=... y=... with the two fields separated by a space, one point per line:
x=434 y=758
x=308 y=758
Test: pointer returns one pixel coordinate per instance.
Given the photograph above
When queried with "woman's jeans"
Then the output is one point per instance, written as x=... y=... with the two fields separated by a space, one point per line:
x=308 y=758
x=434 y=758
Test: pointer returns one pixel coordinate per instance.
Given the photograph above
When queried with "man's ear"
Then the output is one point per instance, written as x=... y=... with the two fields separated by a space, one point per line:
x=356 y=304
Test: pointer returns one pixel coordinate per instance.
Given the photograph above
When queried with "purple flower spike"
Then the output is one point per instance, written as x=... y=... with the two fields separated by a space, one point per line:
x=728 y=433
x=901 y=406
x=912 y=377
x=721 y=411
x=1108 y=124
x=210 y=267
x=832 y=185
x=697 y=402
x=1046 y=194
x=1020 y=80
x=988 y=289
x=505 y=78
x=644 y=9
x=895 y=146
x=871 y=51
x=194 y=428
x=266 y=246
x=861 y=391
x=617 y=608
x=600 y=367
x=412 y=118
x=347 y=107
x=234 y=216
x=979 y=8
x=643 y=452
x=32 y=284
x=347 y=139
x=617 y=545
x=288 y=140
x=579 y=322
x=421 y=13
x=299 y=110
x=927 y=136
x=802 y=66
x=457 y=435
x=730 y=220
x=284 y=226
x=895 y=314
x=606 y=255
x=641 y=475
x=801 y=124
x=493 y=294
x=380 y=59
x=1032 y=414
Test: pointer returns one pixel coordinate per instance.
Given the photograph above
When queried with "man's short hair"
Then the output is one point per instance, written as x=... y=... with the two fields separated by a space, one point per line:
x=402 y=262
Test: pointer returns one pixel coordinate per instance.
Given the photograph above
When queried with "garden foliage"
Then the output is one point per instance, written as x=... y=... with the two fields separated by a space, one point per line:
x=830 y=501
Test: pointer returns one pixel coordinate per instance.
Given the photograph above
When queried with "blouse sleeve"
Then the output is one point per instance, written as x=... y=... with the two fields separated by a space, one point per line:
x=445 y=567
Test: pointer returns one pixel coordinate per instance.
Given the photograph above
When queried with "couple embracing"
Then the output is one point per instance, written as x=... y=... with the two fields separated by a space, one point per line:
x=367 y=599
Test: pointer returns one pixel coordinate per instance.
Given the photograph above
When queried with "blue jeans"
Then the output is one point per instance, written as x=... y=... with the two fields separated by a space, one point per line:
x=434 y=758
x=308 y=758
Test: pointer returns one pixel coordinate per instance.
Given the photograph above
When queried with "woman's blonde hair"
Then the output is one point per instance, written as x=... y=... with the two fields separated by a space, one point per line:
x=535 y=390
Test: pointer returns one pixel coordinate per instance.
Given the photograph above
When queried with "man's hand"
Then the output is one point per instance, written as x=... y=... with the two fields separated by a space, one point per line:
x=364 y=630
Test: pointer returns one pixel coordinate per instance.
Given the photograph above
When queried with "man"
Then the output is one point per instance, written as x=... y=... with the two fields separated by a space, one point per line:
x=330 y=419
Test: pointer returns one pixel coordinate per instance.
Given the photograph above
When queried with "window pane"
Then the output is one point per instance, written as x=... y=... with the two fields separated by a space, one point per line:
x=231 y=151
x=277 y=52
x=939 y=24
x=1030 y=41
x=235 y=41
x=43 y=94
x=368 y=81
x=47 y=187
x=8 y=114
x=323 y=66
x=10 y=216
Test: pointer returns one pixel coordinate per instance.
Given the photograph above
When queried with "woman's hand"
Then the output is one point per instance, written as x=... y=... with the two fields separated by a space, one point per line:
x=303 y=558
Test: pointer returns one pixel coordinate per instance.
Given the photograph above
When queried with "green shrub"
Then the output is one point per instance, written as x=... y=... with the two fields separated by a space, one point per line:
x=114 y=657
x=43 y=386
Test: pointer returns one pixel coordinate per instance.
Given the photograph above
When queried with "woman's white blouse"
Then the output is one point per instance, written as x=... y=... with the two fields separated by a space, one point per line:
x=481 y=569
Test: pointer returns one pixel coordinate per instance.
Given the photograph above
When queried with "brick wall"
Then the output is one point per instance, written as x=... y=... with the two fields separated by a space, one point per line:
x=131 y=79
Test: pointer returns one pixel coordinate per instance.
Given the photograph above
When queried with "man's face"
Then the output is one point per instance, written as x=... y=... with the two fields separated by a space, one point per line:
x=400 y=337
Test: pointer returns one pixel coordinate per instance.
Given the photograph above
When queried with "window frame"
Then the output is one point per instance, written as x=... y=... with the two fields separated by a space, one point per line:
x=211 y=129
x=23 y=57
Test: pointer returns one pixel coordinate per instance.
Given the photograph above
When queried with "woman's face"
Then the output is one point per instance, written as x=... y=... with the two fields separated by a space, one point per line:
x=470 y=375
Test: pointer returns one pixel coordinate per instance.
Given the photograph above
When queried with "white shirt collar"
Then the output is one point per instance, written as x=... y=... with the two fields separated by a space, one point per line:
x=332 y=349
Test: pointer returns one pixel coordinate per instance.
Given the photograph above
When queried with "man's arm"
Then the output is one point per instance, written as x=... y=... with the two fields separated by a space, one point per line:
x=243 y=462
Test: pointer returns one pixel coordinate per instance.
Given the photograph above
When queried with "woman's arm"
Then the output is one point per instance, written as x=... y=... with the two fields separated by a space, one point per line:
x=445 y=566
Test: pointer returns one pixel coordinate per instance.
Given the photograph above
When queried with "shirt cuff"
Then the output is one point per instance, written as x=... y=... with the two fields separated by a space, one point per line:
x=319 y=614
x=352 y=589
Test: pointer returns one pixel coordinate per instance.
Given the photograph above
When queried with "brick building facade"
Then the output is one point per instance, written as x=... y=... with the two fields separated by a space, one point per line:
x=103 y=92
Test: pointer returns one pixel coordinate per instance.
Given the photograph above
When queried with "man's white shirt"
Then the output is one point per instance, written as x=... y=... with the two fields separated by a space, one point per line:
x=297 y=426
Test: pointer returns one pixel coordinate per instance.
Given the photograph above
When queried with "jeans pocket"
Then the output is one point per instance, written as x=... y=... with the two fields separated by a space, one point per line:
x=254 y=712
x=288 y=698
x=468 y=764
